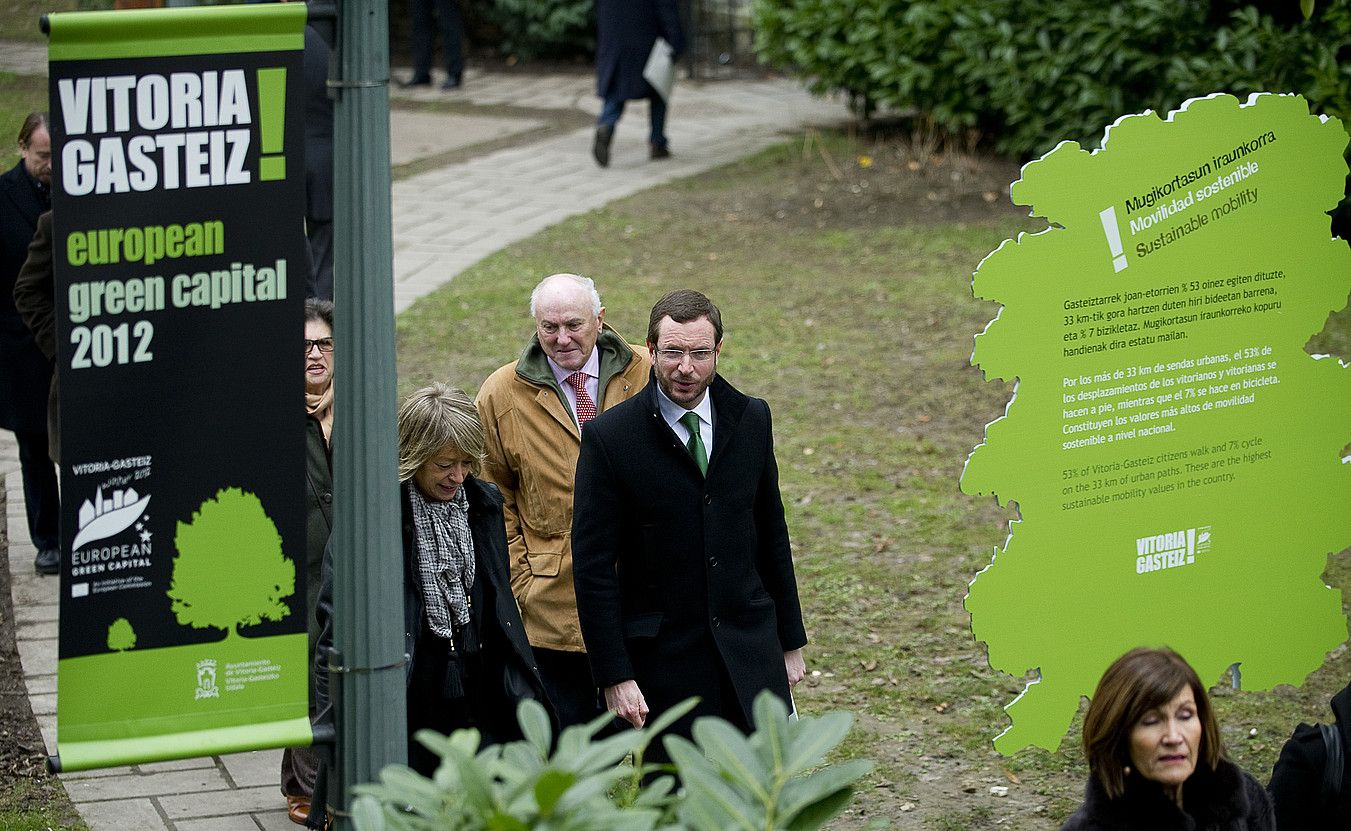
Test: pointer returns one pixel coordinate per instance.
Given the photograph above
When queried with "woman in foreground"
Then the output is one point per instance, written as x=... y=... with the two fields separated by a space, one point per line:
x=469 y=663
x=1155 y=755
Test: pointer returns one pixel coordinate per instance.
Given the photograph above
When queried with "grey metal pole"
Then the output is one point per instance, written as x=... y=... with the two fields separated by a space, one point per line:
x=367 y=558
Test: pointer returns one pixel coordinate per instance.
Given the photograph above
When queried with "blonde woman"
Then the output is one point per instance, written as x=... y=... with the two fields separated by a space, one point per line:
x=470 y=663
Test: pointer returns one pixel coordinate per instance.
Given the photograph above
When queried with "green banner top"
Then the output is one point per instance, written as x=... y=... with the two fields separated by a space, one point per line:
x=200 y=30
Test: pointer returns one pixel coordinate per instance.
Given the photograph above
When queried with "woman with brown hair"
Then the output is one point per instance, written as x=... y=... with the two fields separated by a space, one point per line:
x=300 y=765
x=1155 y=755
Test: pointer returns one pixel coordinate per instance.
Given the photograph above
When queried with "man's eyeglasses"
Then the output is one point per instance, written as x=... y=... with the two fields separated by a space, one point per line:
x=676 y=356
x=324 y=344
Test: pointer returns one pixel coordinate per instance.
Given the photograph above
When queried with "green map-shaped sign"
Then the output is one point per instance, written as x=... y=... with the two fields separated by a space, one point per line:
x=1175 y=454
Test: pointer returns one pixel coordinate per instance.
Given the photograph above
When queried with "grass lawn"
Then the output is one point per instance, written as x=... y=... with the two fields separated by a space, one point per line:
x=847 y=305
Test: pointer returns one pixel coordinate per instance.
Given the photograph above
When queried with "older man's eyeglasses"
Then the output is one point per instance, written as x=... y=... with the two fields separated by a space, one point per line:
x=323 y=345
x=676 y=356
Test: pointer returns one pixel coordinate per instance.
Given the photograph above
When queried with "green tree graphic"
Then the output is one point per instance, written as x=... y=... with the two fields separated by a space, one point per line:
x=229 y=570
x=121 y=636
x=1175 y=453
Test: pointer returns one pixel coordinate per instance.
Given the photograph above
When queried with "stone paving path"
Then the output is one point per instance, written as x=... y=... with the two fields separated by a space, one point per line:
x=445 y=220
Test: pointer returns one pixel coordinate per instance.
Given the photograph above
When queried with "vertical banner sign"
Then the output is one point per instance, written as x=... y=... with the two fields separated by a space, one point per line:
x=1175 y=451
x=178 y=246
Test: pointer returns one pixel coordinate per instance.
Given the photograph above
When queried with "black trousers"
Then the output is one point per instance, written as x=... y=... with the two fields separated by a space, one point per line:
x=40 y=494
x=447 y=21
x=567 y=680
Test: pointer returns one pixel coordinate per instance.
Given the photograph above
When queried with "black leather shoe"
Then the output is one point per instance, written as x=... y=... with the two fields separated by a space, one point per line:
x=417 y=81
x=659 y=151
x=451 y=82
x=48 y=561
x=601 y=149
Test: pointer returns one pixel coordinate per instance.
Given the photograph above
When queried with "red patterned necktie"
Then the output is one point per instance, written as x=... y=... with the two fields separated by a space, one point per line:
x=586 y=408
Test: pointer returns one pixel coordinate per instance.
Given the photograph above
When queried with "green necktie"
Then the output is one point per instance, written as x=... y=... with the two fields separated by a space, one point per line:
x=695 y=444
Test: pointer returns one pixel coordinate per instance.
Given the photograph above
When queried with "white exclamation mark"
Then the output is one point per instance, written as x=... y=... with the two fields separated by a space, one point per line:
x=1109 y=227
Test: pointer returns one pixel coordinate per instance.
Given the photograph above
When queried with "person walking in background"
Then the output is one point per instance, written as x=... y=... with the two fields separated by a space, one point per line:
x=681 y=558
x=534 y=410
x=318 y=165
x=625 y=33
x=429 y=17
x=25 y=371
x=300 y=765
x=1155 y=756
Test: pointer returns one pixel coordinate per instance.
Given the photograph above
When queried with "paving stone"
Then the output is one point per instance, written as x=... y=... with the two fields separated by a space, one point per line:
x=237 y=822
x=177 y=764
x=36 y=613
x=97 y=773
x=44 y=704
x=258 y=767
x=38 y=630
x=190 y=805
x=122 y=815
x=273 y=821
x=40 y=684
x=151 y=784
x=38 y=657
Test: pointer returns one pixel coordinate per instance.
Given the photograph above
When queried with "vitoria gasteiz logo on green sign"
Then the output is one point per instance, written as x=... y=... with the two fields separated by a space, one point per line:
x=1174 y=452
x=179 y=263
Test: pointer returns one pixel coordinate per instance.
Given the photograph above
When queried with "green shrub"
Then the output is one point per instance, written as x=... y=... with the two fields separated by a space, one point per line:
x=1028 y=73
x=771 y=780
x=531 y=29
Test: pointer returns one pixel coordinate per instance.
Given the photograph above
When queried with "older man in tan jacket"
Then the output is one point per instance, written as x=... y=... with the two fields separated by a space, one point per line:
x=533 y=412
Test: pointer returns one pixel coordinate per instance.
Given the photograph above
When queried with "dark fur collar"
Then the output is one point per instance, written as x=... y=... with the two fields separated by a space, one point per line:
x=1213 y=799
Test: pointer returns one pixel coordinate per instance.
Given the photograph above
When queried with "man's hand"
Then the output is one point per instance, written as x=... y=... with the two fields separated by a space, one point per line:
x=795 y=665
x=626 y=701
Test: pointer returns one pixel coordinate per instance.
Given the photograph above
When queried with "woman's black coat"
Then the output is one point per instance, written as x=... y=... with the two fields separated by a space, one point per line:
x=520 y=677
x=1226 y=799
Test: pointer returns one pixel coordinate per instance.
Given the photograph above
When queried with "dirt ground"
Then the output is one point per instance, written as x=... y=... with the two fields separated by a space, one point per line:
x=25 y=785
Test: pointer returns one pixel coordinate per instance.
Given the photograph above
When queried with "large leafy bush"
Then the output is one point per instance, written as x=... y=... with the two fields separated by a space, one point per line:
x=531 y=29
x=1028 y=73
x=774 y=779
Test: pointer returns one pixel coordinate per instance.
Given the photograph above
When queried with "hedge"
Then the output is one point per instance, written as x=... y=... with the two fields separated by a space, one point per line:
x=1028 y=73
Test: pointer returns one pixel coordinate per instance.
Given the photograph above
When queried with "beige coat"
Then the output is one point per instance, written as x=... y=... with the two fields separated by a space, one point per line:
x=532 y=445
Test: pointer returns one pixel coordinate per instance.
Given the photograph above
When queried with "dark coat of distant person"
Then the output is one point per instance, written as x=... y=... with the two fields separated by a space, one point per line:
x=626 y=30
x=701 y=568
x=35 y=298
x=25 y=372
x=1296 y=786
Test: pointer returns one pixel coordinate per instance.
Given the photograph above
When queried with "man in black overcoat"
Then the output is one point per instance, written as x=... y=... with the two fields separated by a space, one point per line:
x=681 y=560
x=25 y=372
x=625 y=33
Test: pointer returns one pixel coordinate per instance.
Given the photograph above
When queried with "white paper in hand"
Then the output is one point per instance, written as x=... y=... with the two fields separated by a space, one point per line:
x=660 y=68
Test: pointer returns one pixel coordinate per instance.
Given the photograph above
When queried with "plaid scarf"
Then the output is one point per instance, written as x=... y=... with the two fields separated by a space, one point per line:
x=445 y=559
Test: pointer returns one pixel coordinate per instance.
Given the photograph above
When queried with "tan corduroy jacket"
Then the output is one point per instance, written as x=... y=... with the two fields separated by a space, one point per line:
x=532 y=445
